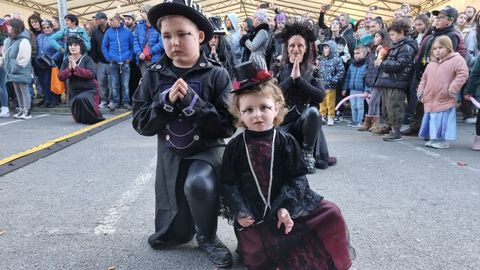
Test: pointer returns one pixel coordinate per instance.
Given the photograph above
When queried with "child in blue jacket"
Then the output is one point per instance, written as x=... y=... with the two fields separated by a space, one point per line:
x=331 y=73
x=355 y=83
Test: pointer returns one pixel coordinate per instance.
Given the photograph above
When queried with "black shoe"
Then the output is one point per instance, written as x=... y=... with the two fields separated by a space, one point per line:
x=309 y=160
x=321 y=164
x=216 y=251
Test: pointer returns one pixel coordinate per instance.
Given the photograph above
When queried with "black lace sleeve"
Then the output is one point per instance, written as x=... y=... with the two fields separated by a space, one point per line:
x=233 y=202
x=295 y=195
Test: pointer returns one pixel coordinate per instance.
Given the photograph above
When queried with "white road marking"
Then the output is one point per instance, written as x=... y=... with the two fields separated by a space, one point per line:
x=16 y=121
x=121 y=206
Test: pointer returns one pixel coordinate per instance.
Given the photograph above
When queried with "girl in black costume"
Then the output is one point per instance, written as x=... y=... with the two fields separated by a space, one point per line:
x=280 y=223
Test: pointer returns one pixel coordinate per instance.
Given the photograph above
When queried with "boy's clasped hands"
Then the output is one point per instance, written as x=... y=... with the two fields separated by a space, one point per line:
x=178 y=91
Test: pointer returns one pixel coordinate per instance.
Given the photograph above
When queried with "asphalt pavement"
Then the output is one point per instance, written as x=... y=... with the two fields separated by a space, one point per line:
x=91 y=205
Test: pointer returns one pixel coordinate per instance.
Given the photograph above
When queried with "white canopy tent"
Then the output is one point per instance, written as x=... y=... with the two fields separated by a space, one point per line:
x=85 y=9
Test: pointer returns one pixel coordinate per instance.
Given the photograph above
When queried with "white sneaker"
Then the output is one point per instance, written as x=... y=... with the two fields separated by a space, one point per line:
x=330 y=121
x=19 y=114
x=440 y=145
x=103 y=105
x=471 y=120
x=4 y=114
x=26 y=115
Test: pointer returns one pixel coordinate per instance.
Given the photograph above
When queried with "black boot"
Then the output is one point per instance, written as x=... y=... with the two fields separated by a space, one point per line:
x=309 y=160
x=216 y=251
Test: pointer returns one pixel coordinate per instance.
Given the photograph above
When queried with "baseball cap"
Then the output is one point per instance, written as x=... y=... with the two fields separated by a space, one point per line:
x=100 y=15
x=448 y=10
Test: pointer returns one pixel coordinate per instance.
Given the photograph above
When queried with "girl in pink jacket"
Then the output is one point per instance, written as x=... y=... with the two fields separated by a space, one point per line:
x=442 y=80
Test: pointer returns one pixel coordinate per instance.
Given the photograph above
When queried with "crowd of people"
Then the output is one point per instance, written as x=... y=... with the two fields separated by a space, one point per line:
x=192 y=80
x=362 y=60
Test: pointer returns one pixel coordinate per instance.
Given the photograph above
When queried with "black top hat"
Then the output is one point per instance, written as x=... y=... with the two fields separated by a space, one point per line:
x=186 y=8
x=248 y=75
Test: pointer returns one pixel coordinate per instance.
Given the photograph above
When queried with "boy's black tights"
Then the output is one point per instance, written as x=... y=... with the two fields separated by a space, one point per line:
x=197 y=204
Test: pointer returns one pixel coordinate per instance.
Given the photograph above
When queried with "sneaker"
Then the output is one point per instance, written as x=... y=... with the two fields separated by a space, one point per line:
x=429 y=143
x=127 y=107
x=330 y=121
x=324 y=120
x=26 y=115
x=216 y=251
x=338 y=117
x=393 y=136
x=18 y=115
x=4 y=114
x=353 y=125
x=440 y=145
x=471 y=120
x=321 y=164
x=112 y=106
x=103 y=104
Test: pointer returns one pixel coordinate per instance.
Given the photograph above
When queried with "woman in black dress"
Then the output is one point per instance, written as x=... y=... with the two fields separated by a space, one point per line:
x=84 y=95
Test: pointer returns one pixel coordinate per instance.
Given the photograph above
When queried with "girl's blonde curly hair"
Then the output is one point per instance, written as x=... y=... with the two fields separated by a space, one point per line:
x=268 y=89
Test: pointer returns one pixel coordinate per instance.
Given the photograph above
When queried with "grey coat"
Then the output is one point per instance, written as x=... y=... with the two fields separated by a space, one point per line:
x=472 y=48
x=14 y=72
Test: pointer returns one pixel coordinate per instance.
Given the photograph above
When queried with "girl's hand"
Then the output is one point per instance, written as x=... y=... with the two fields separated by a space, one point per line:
x=378 y=62
x=467 y=97
x=284 y=218
x=245 y=221
x=365 y=94
x=344 y=93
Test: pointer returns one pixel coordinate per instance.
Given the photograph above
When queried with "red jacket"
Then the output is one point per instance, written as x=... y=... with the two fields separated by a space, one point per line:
x=441 y=82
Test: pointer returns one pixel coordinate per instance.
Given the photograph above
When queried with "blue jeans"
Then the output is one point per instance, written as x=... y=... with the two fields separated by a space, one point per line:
x=103 y=78
x=44 y=76
x=374 y=106
x=357 y=107
x=3 y=89
x=120 y=75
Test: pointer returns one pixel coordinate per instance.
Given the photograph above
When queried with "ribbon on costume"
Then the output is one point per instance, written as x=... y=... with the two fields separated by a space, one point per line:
x=350 y=97
x=475 y=102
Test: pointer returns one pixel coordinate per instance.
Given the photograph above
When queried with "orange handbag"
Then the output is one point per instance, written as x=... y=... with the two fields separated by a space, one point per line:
x=56 y=86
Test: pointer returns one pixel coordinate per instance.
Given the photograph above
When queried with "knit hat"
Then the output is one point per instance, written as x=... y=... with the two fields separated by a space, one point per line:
x=262 y=15
x=280 y=17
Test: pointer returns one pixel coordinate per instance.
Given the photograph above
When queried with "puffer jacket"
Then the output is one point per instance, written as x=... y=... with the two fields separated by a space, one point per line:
x=397 y=68
x=423 y=56
x=18 y=59
x=473 y=84
x=372 y=71
x=301 y=92
x=441 y=82
x=331 y=67
x=154 y=41
x=64 y=33
x=472 y=48
x=203 y=111
x=117 y=44
x=355 y=79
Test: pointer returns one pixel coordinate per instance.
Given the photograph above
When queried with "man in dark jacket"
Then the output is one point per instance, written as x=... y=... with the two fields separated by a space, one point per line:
x=103 y=69
x=395 y=75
